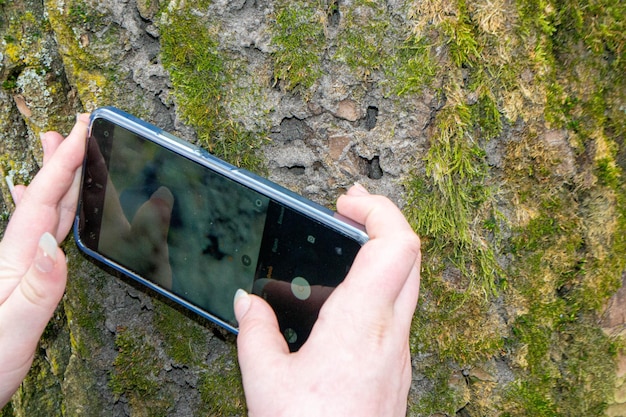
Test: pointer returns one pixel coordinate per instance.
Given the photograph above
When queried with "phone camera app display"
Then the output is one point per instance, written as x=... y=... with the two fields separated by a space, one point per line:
x=290 y=335
x=300 y=288
x=300 y=263
x=170 y=220
x=196 y=230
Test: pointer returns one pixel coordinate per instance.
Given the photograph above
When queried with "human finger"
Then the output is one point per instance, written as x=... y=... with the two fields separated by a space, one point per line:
x=298 y=304
x=67 y=207
x=258 y=329
x=38 y=209
x=388 y=260
x=50 y=141
x=153 y=217
x=17 y=191
x=406 y=302
x=62 y=164
x=26 y=312
x=379 y=215
x=258 y=332
x=54 y=180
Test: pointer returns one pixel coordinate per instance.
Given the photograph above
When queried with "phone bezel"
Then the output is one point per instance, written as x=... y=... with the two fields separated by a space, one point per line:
x=198 y=155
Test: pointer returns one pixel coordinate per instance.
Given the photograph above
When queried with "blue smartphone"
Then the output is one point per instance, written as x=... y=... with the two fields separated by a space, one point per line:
x=195 y=228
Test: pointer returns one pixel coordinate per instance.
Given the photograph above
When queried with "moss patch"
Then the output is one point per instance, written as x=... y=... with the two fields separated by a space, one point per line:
x=83 y=310
x=191 y=54
x=545 y=65
x=135 y=374
x=221 y=389
x=298 y=35
x=184 y=339
x=366 y=41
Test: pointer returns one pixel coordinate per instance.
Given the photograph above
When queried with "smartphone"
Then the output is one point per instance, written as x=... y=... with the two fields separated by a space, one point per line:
x=195 y=228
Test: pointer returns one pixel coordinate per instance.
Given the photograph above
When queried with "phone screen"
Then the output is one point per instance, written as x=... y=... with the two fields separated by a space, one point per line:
x=200 y=235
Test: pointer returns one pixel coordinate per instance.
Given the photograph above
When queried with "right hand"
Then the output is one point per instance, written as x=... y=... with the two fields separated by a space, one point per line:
x=356 y=361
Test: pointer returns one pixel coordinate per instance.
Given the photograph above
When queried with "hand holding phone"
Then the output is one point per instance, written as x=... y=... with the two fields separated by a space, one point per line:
x=33 y=270
x=196 y=229
x=356 y=361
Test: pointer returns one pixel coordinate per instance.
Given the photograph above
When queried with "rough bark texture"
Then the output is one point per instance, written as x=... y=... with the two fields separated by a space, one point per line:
x=498 y=127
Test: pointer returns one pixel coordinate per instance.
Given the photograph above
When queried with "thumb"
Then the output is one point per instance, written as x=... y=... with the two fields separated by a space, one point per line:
x=258 y=329
x=26 y=312
x=157 y=211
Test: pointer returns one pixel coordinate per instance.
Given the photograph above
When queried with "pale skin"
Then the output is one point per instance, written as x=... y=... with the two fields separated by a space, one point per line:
x=355 y=362
x=33 y=271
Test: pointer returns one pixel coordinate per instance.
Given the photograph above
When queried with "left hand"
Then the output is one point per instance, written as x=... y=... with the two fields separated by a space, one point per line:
x=33 y=271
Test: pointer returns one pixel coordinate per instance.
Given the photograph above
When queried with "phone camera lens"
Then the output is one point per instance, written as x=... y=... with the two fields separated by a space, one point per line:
x=106 y=133
x=245 y=260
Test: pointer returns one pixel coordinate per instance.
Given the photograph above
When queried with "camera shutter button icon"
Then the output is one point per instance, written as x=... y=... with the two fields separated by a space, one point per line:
x=300 y=288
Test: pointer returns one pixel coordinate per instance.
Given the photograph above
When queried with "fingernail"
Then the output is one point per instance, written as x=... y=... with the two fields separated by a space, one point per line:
x=241 y=303
x=44 y=142
x=46 y=253
x=11 y=186
x=360 y=189
x=82 y=117
x=163 y=193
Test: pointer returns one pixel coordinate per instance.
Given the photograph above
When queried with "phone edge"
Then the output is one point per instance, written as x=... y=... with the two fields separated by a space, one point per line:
x=199 y=155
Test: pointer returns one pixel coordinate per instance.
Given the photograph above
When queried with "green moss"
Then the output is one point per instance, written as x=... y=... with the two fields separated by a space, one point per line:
x=461 y=36
x=443 y=206
x=190 y=53
x=587 y=369
x=83 y=310
x=135 y=374
x=7 y=410
x=442 y=397
x=221 y=389
x=528 y=398
x=184 y=339
x=559 y=274
x=81 y=14
x=135 y=365
x=366 y=41
x=566 y=251
x=416 y=68
x=571 y=374
x=469 y=334
x=487 y=116
x=298 y=35
x=40 y=392
x=24 y=37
